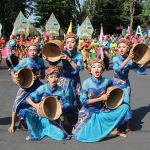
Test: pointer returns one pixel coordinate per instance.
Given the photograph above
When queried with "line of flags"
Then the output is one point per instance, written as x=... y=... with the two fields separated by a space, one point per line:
x=100 y=37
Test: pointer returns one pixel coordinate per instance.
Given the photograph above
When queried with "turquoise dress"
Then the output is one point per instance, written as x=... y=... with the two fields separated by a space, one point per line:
x=37 y=65
x=96 y=122
x=121 y=78
x=39 y=127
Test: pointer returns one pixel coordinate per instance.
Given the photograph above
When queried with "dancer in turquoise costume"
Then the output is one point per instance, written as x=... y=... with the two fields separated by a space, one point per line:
x=36 y=64
x=69 y=78
x=39 y=127
x=95 y=121
x=122 y=65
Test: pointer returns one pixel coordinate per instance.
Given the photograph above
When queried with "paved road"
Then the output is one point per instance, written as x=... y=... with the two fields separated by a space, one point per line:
x=138 y=140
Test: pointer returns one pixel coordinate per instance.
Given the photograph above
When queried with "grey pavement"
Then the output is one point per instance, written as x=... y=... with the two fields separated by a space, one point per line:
x=139 y=139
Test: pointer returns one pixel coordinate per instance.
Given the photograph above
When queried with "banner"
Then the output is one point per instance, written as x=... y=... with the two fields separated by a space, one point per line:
x=139 y=31
x=86 y=29
x=52 y=26
x=20 y=24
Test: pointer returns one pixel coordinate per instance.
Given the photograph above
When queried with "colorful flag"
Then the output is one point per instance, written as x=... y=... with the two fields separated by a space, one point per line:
x=70 y=28
x=78 y=30
x=129 y=31
x=0 y=29
x=14 y=31
x=101 y=34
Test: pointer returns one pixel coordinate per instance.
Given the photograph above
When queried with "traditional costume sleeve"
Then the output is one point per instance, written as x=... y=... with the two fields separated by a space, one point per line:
x=21 y=65
x=138 y=69
x=108 y=83
x=84 y=93
x=116 y=65
x=78 y=63
x=36 y=96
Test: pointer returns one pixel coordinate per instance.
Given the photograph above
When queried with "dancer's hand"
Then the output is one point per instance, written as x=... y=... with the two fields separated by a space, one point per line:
x=16 y=77
x=35 y=77
x=130 y=56
x=64 y=56
x=11 y=129
x=105 y=97
x=37 y=106
x=44 y=57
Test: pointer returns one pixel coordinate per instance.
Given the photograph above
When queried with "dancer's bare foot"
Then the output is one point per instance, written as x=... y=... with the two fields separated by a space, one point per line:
x=116 y=133
x=113 y=133
x=27 y=138
x=11 y=129
x=122 y=134
x=128 y=131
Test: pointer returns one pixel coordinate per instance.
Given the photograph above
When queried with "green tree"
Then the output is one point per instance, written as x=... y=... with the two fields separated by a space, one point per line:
x=64 y=11
x=9 y=9
x=113 y=13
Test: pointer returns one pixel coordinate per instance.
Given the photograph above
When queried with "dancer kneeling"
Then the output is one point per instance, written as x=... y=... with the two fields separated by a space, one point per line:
x=39 y=127
x=95 y=121
x=37 y=66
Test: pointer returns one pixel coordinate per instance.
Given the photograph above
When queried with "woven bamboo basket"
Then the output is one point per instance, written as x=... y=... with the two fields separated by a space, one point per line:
x=52 y=50
x=50 y=108
x=141 y=53
x=26 y=78
x=116 y=97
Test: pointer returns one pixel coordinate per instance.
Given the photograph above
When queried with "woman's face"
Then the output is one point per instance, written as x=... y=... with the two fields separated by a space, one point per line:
x=52 y=79
x=96 y=70
x=123 y=49
x=71 y=44
x=32 y=51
